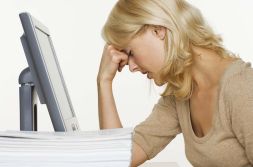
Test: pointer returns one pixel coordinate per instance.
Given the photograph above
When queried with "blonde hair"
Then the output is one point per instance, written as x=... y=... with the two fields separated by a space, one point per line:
x=185 y=27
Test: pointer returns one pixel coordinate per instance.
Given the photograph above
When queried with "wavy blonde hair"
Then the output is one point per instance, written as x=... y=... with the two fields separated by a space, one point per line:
x=184 y=25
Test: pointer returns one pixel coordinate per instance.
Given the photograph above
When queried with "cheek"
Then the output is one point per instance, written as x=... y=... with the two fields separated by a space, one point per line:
x=148 y=61
x=155 y=55
x=154 y=59
x=140 y=60
x=150 y=57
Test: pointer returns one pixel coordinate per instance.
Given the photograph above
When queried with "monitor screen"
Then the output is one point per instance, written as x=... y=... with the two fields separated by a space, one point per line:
x=46 y=73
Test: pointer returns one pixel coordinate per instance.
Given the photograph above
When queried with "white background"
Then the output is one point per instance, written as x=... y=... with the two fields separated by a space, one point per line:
x=75 y=27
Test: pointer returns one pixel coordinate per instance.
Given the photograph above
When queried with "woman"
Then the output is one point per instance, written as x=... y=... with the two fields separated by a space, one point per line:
x=209 y=92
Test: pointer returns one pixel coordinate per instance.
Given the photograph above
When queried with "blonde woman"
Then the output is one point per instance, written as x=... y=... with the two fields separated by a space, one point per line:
x=209 y=90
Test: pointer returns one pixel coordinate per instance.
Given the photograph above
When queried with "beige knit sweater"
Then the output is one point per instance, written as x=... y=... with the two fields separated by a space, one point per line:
x=229 y=143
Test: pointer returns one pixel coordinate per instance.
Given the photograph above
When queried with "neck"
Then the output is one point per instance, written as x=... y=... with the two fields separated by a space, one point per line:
x=207 y=68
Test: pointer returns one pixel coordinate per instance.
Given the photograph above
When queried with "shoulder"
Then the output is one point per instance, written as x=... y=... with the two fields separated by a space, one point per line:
x=167 y=101
x=238 y=95
x=238 y=91
x=240 y=84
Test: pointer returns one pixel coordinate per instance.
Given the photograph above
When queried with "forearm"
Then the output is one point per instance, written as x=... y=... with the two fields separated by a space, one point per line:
x=107 y=111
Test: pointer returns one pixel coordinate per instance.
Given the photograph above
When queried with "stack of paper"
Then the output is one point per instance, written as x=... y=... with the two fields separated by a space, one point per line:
x=104 y=148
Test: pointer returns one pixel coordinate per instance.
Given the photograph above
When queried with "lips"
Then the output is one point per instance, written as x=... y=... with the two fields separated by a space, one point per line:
x=149 y=76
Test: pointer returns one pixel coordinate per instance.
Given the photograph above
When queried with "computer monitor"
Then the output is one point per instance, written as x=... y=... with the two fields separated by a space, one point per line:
x=46 y=73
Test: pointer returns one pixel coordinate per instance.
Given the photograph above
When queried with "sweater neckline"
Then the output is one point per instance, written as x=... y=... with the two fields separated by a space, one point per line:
x=227 y=72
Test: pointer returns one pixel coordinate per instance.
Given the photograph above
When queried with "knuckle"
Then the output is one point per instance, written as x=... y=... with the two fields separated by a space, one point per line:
x=111 y=51
x=114 y=58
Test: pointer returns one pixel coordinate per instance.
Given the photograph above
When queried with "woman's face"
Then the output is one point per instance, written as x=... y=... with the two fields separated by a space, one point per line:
x=146 y=53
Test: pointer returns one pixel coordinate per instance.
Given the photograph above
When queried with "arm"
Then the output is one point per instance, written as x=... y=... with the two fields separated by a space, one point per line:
x=159 y=128
x=107 y=111
x=241 y=101
x=138 y=155
x=113 y=60
x=110 y=63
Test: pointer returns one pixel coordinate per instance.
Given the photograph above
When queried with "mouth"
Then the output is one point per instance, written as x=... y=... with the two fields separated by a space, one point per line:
x=149 y=76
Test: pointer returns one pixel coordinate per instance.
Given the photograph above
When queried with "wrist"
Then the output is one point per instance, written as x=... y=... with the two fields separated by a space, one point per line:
x=103 y=81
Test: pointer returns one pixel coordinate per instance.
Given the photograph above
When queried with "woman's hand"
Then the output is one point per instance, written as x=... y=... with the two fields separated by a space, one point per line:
x=112 y=61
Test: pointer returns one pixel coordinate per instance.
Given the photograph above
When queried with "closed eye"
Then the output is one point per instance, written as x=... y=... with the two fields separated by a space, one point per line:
x=130 y=53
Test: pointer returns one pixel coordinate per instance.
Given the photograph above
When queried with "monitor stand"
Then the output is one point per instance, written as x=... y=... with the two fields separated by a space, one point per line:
x=27 y=101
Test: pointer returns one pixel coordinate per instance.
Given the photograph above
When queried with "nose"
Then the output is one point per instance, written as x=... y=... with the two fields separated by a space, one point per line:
x=133 y=67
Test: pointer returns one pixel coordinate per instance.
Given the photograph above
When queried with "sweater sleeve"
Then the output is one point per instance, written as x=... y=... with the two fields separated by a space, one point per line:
x=242 y=110
x=159 y=128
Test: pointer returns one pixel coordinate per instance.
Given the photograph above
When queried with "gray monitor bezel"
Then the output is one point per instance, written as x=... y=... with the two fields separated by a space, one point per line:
x=40 y=75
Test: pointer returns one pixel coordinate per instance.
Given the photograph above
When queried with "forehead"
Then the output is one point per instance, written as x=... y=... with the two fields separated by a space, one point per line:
x=146 y=38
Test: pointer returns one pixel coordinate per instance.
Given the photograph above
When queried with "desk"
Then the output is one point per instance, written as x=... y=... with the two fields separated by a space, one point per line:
x=159 y=164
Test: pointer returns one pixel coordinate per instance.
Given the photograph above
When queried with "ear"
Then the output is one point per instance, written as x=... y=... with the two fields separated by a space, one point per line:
x=159 y=31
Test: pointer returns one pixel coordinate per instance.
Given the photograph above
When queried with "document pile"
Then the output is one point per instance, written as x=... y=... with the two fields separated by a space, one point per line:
x=104 y=148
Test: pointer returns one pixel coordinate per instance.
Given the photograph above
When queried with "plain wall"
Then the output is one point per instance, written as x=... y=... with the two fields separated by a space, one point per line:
x=75 y=27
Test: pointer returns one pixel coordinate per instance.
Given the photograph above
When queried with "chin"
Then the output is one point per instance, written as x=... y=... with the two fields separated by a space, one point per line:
x=158 y=82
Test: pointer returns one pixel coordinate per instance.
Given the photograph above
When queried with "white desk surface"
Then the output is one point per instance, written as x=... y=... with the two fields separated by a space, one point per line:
x=159 y=164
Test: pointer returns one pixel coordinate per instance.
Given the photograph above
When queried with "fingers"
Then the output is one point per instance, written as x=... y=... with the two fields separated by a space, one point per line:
x=122 y=64
x=118 y=57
